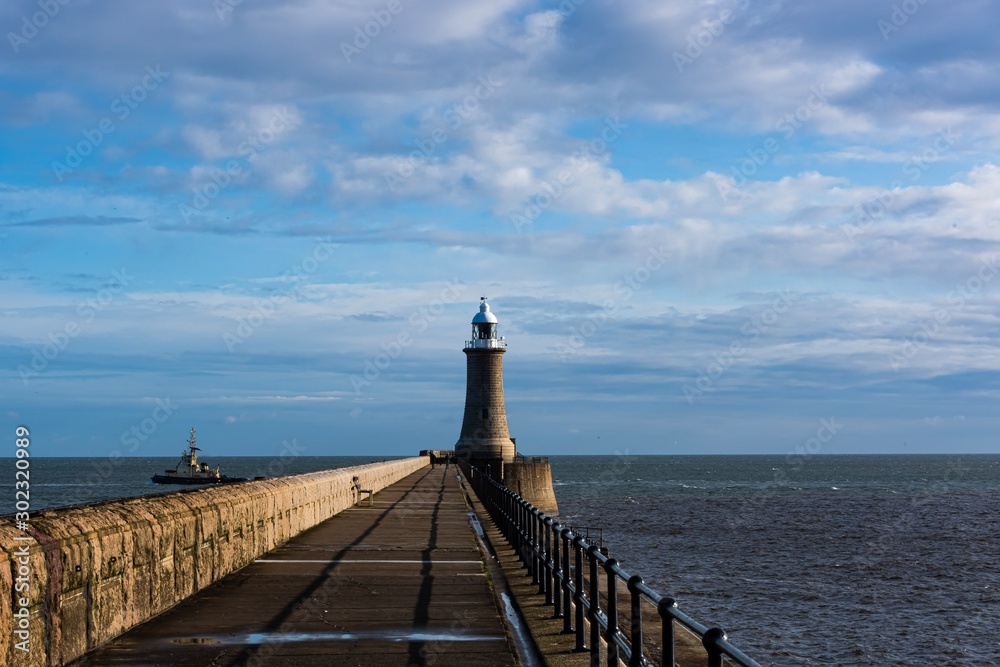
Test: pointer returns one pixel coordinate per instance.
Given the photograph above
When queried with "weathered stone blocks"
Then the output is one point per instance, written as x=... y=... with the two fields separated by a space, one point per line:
x=99 y=570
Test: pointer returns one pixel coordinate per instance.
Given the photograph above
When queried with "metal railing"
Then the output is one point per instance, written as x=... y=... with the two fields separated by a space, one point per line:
x=592 y=536
x=567 y=570
x=485 y=343
x=521 y=458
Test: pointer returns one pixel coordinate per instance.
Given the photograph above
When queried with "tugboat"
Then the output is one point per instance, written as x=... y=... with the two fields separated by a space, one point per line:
x=189 y=471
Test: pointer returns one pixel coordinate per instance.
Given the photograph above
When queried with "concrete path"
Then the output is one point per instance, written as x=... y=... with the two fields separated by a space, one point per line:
x=399 y=583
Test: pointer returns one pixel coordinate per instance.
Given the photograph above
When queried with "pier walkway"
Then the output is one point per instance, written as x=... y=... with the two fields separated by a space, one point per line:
x=398 y=583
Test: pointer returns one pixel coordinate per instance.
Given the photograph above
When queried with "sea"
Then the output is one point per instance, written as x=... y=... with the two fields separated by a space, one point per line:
x=823 y=560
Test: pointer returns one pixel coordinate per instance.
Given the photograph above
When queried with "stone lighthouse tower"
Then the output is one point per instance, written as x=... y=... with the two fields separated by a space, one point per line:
x=485 y=438
x=485 y=441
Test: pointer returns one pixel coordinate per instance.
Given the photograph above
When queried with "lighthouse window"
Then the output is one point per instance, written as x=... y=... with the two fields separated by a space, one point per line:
x=486 y=413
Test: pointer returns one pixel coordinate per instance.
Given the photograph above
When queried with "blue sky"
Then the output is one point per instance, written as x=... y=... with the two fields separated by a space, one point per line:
x=704 y=226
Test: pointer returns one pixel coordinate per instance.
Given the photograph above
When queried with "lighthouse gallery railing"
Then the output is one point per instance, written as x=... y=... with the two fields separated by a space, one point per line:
x=554 y=557
x=485 y=344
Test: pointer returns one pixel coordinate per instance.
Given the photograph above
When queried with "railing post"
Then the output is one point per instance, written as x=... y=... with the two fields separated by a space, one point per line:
x=533 y=542
x=509 y=507
x=708 y=640
x=500 y=507
x=509 y=511
x=566 y=586
x=512 y=513
x=505 y=507
x=493 y=504
x=518 y=536
x=578 y=597
x=611 y=632
x=635 y=640
x=514 y=528
x=529 y=542
x=540 y=565
x=594 y=608
x=533 y=527
x=549 y=572
x=515 y=508
x=529 y=563
x=557 y=570
x=663 y=608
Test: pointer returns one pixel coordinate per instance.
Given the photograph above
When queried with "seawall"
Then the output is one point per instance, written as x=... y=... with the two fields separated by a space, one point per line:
x=95 y=571
x=531 y=478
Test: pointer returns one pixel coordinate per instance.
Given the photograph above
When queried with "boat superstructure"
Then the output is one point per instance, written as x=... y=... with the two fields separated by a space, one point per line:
x=189 y=471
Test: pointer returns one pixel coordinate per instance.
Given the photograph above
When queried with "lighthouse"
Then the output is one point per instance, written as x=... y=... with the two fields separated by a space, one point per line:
x=485 y=441
x=485 y=437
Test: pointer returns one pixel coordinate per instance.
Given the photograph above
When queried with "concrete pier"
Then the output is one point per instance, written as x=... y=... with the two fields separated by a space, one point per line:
x=81 y=576
x=399 y=583
x=262 y=574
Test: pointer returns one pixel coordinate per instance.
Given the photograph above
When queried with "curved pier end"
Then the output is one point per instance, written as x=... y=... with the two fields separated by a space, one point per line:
x=531 y=478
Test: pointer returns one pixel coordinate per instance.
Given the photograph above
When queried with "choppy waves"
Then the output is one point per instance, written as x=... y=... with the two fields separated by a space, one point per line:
x=898 y=567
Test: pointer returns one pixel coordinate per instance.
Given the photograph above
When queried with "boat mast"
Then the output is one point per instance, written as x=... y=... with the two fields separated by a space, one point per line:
x=193 y=458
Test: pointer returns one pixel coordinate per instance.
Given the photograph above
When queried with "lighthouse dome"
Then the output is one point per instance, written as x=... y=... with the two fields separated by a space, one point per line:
x=484 y=315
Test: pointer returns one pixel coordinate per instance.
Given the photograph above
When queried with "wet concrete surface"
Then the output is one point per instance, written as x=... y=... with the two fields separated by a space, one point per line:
x=399 y=583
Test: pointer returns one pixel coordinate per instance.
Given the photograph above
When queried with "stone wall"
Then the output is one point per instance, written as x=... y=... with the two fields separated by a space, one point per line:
x=532 y=480
x=99 y=570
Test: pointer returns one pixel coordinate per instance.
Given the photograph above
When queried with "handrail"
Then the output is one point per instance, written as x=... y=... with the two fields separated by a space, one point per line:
x=521 y=458
x=555 y=557
x=485 y=344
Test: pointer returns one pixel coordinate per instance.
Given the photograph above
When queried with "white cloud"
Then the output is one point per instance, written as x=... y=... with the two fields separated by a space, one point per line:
x=863 y=108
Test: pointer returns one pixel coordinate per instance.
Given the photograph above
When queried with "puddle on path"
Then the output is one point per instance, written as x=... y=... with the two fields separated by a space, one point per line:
x=255 y=638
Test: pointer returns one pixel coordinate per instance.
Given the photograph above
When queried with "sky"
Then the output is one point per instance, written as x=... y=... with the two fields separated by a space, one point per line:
x=735 y=227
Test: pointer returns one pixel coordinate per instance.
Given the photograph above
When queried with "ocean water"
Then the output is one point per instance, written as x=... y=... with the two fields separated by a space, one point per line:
x=834 y=560
x=829 y=560
x=76 y=480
